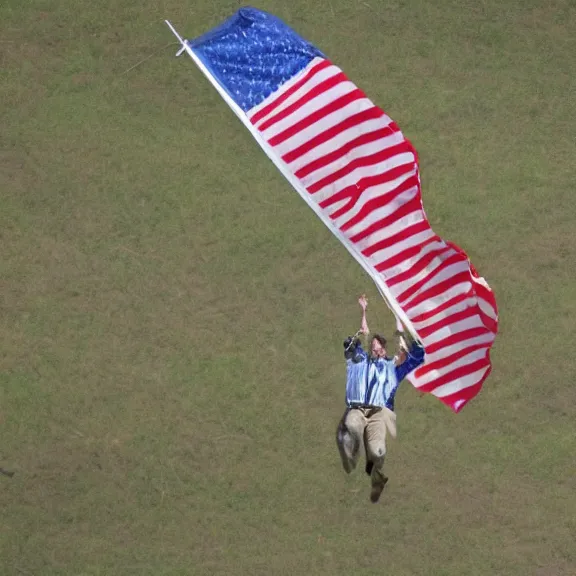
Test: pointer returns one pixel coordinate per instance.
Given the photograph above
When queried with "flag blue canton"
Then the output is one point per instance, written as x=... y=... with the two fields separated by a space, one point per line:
x=252 y=54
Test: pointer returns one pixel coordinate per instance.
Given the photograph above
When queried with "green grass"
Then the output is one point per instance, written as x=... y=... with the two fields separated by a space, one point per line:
x=171 y=312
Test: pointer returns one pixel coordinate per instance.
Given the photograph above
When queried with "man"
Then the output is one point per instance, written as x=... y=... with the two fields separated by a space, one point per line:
x=371 y=384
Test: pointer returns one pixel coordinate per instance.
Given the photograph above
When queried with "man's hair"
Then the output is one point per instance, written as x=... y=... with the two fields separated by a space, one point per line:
x=380 y=339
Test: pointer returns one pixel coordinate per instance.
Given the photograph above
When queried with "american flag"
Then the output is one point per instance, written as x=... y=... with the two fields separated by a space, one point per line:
x=351 y=163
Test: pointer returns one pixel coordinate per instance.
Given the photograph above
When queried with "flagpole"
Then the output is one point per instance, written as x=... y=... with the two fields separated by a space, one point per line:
x=380 y=284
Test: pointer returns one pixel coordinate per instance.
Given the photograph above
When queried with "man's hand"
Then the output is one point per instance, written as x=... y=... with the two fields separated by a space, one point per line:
x=363 y=304
x=402 y=343
x=405 y=339
x=400 y=357
x=403 y=347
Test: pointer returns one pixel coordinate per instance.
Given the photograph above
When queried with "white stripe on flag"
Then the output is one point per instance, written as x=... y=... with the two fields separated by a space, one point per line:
x=384 y=211
x=309 y=107
x=325 y=123
x=459 y=384
x=385 y=254
x=364 y=151
x=392 y=229
x=343 y=138
x=300 y=93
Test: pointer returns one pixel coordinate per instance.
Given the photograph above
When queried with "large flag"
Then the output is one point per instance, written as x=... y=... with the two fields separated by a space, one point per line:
x=353 y=166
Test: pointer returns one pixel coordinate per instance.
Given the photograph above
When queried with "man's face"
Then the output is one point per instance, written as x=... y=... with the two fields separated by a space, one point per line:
x=378 y=351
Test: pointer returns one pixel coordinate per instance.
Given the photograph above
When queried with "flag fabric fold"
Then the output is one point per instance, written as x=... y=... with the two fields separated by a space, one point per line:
x=353 y=166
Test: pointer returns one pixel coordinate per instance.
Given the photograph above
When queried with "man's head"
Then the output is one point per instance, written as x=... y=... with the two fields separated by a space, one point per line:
x=378 y=346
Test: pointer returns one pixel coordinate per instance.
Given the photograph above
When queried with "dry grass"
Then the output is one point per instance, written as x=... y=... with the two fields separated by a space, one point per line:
x=171 y=313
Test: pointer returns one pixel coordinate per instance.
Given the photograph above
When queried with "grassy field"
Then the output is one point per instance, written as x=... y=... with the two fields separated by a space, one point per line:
x=171 y=312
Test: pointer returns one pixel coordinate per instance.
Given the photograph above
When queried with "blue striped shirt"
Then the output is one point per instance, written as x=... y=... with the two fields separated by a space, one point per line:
x=374 y=382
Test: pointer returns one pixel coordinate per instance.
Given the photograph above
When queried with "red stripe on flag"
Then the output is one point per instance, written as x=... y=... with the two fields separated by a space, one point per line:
x=397 y=238
x=348 y=147
x=412 y=290
x=382 y=200
x=444 y=362
x=451 y=375
x=369 y=160
x=451 y=319
x=421 y=318
x=320 y=88
x=361 y=186
x=462 y=336
x=459 y=399
x=484 y=294
x=275 y=103
x=405 y=255
x=316 y=116
x=408 y=207
x=417 y=266
x=439 y=289
x=332 y=132
x=355 y=190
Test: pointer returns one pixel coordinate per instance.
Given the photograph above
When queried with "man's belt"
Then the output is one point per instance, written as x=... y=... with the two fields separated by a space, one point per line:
x=364 y=406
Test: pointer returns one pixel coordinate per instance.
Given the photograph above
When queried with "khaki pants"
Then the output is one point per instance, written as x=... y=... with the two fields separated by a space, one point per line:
x=366 y=427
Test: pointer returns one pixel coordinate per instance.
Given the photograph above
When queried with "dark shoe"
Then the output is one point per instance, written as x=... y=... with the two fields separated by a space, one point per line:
x=378 y=483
